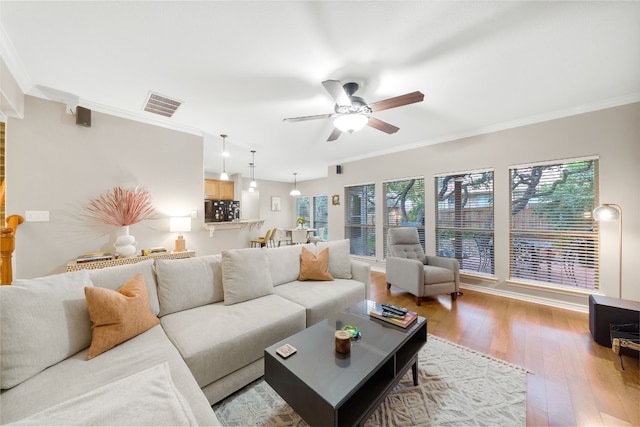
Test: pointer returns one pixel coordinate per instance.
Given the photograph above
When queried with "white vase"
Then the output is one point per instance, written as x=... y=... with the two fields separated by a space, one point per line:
x=125 y=243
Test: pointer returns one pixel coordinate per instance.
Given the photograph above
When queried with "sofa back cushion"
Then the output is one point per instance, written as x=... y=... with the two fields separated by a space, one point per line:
x=114 y=277
x=189 y=282
x=339 y=257
x=284 y=262
x=245 y=275
x=44 y=321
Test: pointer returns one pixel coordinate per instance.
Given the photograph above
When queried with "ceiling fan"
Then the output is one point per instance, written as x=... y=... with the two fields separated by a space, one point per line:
x=353 y=113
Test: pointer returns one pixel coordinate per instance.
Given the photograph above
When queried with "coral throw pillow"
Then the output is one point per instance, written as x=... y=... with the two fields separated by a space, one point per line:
x=117 y=316
x=314 y=267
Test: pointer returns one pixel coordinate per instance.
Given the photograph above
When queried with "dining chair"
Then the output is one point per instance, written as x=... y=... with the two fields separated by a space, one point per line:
x=299 y=236
x=317 y=237
x=263 y=241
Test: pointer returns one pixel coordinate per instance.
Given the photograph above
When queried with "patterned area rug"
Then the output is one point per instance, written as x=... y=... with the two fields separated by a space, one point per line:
x=458 y=386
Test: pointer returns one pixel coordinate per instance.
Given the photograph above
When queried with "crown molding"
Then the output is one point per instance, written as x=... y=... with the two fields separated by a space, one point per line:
x=540 y=118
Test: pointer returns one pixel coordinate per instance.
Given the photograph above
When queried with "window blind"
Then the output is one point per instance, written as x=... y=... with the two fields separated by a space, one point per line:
x=464 y=219
x=553 y=238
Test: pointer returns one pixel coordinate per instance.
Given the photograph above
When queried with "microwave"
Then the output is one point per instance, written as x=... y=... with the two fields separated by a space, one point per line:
x=221 y=210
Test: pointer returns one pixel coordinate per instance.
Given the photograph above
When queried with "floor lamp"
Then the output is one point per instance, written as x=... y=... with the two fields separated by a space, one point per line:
x=612 y=212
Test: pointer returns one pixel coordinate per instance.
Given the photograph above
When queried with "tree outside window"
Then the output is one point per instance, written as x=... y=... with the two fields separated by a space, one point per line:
x=360 y=227
x=320 y=215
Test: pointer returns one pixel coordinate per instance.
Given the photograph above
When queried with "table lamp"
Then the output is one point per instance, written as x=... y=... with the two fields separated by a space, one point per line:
x=179 y=225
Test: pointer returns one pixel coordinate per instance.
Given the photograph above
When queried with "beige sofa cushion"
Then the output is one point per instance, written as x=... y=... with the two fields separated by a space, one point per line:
x=284 y=262
x=245 y=275
x=236 y=335
x=189 y=282
x=114 y=277
x=75 y=376
x=43 y=321
x=321 y=299
x=339 y=257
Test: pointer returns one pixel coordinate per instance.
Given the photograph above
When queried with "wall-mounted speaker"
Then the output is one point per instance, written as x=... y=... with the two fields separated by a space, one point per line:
x=338 y=169
x=83 y=116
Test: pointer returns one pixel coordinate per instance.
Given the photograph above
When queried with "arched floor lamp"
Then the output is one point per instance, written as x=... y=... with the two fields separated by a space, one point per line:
x=612 y=212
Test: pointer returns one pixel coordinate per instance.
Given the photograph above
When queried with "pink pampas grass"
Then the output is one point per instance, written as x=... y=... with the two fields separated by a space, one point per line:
x=121 y=206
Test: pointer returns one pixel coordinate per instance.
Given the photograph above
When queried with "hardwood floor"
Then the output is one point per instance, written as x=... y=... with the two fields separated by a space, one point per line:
x=573 y=380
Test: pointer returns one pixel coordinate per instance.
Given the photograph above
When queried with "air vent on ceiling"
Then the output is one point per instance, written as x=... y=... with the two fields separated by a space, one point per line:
x=160 y=104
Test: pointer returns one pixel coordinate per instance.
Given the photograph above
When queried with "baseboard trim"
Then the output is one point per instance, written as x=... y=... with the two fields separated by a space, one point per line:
x=528 y=298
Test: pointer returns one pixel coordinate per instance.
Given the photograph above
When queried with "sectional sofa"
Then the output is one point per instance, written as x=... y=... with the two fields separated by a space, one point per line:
x=205 y=322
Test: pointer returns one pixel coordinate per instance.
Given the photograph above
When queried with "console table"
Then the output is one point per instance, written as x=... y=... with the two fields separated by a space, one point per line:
x=93 y=265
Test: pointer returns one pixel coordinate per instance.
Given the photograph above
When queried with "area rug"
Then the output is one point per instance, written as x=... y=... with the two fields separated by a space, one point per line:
x=457 y=386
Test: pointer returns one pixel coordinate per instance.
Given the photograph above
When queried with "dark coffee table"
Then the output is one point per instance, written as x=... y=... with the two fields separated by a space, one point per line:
x=327 y=388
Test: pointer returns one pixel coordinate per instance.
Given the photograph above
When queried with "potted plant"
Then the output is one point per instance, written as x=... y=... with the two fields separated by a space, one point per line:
x=121 y=207
x=301 y=221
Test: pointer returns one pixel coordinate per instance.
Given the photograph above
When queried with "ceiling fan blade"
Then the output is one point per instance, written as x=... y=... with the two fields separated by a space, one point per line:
x=303 y=118
x=383 y=126
x=335 y=134
x=398 y=101
x=335 y=89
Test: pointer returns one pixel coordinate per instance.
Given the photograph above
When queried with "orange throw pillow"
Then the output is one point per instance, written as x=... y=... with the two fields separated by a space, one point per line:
x=314 y=267
x=117 y=316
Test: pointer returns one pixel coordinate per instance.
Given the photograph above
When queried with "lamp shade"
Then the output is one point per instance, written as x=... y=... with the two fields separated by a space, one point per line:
x=351 y=122
x=295 y=192
x=179 y=224
x=606 y=213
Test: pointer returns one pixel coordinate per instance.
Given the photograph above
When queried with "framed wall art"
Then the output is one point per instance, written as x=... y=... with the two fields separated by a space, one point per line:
x=275 y=203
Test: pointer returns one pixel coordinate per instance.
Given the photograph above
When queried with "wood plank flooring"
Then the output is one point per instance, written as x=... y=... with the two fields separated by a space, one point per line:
x=574 y=381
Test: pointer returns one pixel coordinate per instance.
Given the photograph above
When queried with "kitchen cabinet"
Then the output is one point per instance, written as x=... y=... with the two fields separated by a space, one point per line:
x=218 y=190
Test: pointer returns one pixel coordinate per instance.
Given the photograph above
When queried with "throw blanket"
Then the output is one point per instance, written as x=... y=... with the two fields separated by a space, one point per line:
x=147 y=398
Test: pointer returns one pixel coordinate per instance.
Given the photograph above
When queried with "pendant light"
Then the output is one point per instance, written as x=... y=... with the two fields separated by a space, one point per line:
x=253 y=183
x=225 y=154
x=295 y=191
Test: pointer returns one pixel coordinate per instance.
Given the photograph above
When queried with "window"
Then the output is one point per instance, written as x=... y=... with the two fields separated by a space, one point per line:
x=404 y=206
x=553 y=238
x=464 y=220
x=360 y=227
x=302 y=209
x=320 y=215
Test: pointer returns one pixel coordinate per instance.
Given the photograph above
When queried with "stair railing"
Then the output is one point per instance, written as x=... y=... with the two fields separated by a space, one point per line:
x=7 y=246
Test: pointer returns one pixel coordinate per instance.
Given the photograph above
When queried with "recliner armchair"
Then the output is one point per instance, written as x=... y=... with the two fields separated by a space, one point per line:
x=422 y=275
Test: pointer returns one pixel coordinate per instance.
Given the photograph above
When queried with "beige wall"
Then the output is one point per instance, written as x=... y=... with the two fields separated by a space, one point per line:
x=612 y=134
x=54 y=165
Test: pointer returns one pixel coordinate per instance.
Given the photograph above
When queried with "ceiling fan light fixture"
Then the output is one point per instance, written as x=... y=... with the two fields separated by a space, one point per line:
x=351 y=122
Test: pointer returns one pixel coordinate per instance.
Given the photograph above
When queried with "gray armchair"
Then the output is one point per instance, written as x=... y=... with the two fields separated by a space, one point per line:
x=422 y=275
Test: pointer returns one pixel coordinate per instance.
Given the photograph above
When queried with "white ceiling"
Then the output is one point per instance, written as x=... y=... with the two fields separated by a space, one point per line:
x=241 y=67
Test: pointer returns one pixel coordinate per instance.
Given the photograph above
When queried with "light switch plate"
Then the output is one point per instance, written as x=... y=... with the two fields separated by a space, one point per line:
x=36 y=216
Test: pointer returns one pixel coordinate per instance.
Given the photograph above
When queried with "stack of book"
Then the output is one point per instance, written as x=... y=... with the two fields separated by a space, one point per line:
x=392 y=314
x=94 y=256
